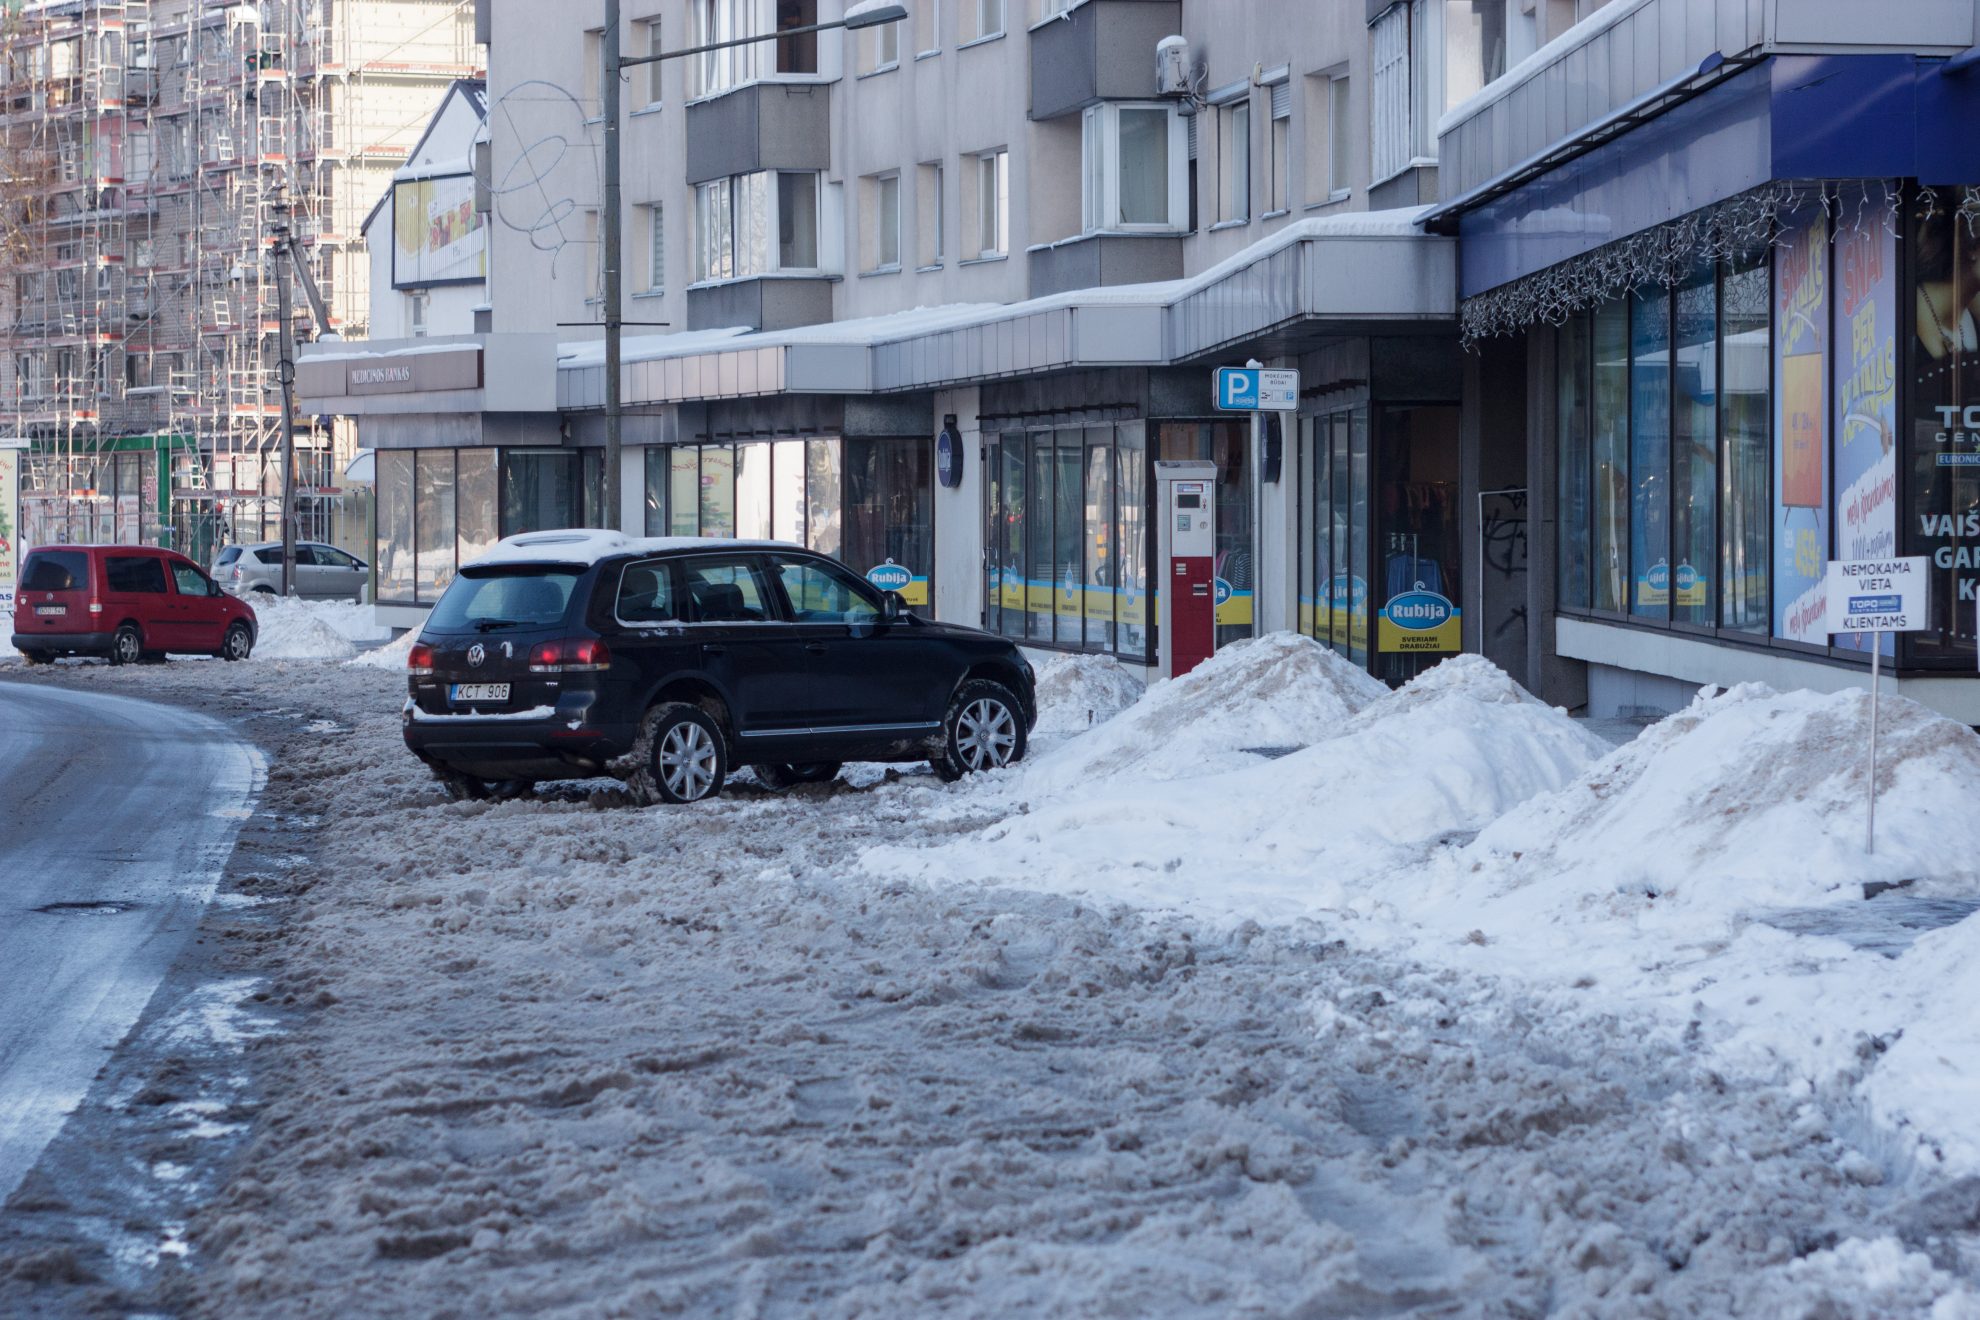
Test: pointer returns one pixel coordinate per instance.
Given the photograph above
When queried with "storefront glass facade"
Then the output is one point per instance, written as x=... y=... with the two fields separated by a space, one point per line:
x=1066 y=541
x=1942 y=458
x=868 y=501
x=1665 y=455
x=439 y=508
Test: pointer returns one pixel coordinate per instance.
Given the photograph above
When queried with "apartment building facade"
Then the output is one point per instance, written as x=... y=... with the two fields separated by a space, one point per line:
x=149 y=142
x=1032 y=228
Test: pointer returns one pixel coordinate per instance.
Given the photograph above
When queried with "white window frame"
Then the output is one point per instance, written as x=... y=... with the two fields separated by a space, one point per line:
x=1234 y=160
x=880 y=48
x=993 y=203
x=745 y=245
x=1390 y=101
x=1100 y=197
x=989 y=19
x=883 y=221
x=419 y=303
x=1340 y=136
x=656 y=247
x=1278 y=147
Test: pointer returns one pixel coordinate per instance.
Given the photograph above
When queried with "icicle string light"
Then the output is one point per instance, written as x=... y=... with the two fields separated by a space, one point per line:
x=1734 y=229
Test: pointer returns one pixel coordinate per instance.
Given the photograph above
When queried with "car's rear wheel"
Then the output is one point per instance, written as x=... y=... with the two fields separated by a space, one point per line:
x=126 y=645
x=790 y=776
x=238 y=644
x=681 y=756
x=984 y=730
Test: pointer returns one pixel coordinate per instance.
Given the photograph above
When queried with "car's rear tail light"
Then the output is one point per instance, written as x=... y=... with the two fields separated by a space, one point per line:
x=237 y=572
x=419 y=661
x=572 y=655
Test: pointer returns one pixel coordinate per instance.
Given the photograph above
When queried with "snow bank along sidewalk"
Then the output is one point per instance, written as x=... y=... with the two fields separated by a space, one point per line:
x=1459 y=820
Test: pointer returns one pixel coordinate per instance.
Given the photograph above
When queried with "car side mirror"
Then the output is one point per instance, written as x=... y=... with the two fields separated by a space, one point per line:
x=892 y=607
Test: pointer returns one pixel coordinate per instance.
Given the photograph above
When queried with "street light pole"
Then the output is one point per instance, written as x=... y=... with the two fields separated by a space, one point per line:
x=614 y=245
x=863 y=14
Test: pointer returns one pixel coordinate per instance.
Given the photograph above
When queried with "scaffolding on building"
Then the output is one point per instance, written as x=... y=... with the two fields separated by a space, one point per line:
x=142 y=143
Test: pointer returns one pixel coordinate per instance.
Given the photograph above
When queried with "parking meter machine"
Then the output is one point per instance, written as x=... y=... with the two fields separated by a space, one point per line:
x=1185 y=566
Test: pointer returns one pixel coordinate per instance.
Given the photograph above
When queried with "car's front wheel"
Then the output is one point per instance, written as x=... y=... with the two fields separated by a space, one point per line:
x=238 y=644
x=681 y=756
x=790 y=776
x=126 y=645
x=984 y=730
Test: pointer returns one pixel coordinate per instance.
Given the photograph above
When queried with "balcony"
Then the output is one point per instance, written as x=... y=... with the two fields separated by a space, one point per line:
x=1093 y=260
x=759 y=126
x=1104 y=50
x=763 y=302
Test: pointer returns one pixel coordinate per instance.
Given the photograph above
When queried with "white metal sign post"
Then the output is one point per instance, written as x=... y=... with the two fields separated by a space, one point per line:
x=1876 y=596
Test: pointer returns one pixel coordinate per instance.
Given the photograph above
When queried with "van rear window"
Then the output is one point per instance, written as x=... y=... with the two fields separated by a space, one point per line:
x=56 y=570
x=228 y=556
x=138 y=574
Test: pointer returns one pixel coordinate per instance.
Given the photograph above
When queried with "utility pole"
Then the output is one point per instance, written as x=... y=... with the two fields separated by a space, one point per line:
x=285 y=372
x=614 y=256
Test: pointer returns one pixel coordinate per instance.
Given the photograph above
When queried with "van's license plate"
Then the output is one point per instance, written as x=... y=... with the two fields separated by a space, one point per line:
x=51 y=609
x=467 y=692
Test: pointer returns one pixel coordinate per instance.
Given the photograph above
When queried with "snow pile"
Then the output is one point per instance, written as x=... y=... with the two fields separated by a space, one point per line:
x=355 y=623
x=1753 y=797
x=1439 y=759
x=1281 y=690
x=1076 y=692
x=296 y=630
x=390 y=656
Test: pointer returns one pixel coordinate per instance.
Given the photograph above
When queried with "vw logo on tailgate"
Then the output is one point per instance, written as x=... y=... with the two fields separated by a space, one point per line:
x=476 y=654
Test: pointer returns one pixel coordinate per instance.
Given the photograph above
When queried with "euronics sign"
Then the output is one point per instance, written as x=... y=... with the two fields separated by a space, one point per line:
x=1255 y=389
x=1877 y=595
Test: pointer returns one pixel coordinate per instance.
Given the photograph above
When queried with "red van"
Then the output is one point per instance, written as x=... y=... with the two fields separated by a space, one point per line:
x=127 y=602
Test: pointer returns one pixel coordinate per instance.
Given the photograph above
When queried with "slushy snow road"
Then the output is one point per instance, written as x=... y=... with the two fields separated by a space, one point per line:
x=835 y=1052
x=116 y=817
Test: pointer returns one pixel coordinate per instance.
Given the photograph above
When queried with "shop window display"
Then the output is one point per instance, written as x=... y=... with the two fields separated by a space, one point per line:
x=1942 y=457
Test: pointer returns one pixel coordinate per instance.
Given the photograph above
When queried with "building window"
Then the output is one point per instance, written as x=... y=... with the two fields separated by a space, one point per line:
x=655 y=43
x=993 y=203
x=717 y=71
x=1340 y=165
x=880 y=232
x=1234 y=161
x=1674 y=503
x=594 y=64
x=1135 y=169
x=732 y=226
x=982 y=18
x=870 y=502
x=417 y=305
x=1426 y=57
x=656 y=248
x=879 y=47
x=927 y=25
x=930 y=210
x=1066 y=548
x=1278 y=188
x=436 y=510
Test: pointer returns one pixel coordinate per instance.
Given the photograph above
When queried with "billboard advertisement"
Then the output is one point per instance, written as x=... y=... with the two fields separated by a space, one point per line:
x=1865 y=336
x=1801 y=470
x=437 y=235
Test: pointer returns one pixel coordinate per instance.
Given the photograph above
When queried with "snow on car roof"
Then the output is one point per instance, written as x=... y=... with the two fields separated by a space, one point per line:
x=586 y=545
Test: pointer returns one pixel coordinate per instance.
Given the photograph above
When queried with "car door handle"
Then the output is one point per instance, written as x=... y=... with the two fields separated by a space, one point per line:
x=816 y=648
x=710 y=648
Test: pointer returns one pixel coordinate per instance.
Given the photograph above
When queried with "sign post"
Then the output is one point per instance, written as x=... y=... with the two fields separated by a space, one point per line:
x=1876 y=596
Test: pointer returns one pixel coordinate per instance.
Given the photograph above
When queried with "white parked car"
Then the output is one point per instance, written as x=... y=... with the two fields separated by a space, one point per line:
x=323 y=572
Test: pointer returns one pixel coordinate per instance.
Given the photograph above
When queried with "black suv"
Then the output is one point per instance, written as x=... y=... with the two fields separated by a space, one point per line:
x=668 y=662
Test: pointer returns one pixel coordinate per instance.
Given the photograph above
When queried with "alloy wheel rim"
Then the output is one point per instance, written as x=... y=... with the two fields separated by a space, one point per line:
x=986 y=735
x=127 y=646
x=687 y=761
x=236 y=643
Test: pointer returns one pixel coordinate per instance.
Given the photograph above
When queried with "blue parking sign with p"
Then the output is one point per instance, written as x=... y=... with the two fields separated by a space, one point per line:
x=1237 y=388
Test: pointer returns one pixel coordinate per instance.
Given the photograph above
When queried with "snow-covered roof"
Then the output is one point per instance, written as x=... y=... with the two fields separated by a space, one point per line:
x=1107 y=325
x=585 y=545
